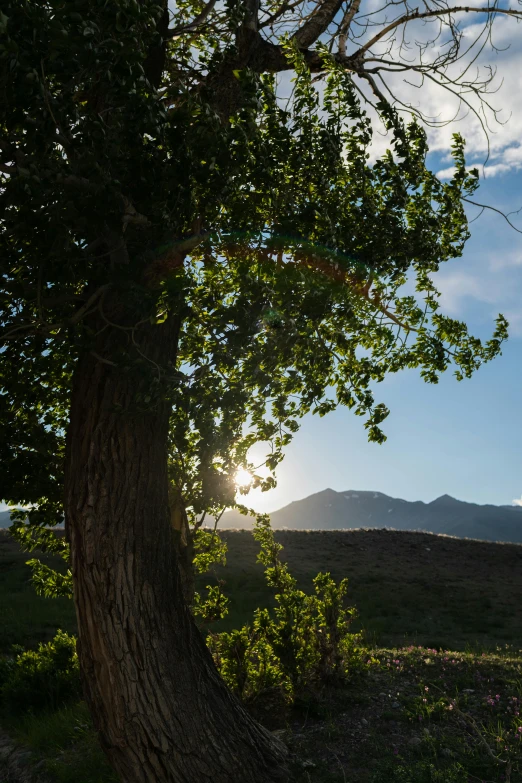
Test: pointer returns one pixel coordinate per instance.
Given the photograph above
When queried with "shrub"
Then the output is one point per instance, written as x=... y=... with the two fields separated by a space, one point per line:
x=305 y=641
x=42 y=678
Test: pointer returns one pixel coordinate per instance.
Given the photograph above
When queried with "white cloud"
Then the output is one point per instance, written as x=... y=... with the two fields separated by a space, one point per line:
x=517 y=501
x=449 y=172
x=457 y=286
x=436 y=102
x=505 y=97
x=494 y=285
x=505 y=259
x=488 y=279
x=512 y=161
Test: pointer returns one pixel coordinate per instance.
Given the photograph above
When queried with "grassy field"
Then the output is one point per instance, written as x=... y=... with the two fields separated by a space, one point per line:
x=438 y=699
x=409 y=588
x=26 y=618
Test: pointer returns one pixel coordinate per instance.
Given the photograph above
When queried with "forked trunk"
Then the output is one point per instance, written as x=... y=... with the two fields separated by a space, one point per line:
x=162 y=712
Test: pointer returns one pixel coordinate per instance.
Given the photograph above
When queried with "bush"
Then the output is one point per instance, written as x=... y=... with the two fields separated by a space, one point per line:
x=43 y=678
x=305 y=641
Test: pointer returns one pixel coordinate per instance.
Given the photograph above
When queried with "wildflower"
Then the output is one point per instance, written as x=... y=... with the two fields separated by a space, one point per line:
x=519 y=730
x=426 y=688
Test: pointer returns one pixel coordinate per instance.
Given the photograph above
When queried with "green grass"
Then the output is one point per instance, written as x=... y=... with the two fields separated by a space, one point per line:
x=391 y=723
x=459 y=593
x=68 y=744
x=418 y=716
x=26 y=618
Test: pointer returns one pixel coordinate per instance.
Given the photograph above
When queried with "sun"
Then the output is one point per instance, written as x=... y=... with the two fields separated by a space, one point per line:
x=243 y=478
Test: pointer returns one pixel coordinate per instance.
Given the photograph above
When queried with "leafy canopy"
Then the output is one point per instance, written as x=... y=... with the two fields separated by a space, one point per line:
x=274 y=237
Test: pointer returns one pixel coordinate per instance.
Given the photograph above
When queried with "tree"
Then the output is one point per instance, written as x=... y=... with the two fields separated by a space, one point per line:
x=188 y=268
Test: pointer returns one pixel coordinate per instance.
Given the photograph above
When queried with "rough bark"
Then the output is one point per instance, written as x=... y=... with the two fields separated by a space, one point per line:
x=184 y=543
x=162 y=712
x=317 y=23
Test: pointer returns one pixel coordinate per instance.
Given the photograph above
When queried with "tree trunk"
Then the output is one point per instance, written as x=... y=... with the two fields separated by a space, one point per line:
x=162 y=712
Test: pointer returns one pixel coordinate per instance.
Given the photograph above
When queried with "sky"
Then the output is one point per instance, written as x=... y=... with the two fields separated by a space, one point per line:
x=460 y=438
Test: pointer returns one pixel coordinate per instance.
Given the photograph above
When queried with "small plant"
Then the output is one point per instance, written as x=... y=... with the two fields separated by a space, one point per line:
x=42 y=678
x=304 y=641
x=422 y=772
x=213 y=605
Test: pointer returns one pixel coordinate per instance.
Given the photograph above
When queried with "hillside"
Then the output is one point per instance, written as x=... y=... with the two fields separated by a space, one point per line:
x=330 y=510
x=408 y=587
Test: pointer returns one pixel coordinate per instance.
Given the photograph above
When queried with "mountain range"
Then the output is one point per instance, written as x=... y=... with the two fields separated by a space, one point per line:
x=331 y=510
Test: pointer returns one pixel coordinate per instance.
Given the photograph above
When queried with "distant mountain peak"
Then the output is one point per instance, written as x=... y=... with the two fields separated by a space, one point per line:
x=445 y=499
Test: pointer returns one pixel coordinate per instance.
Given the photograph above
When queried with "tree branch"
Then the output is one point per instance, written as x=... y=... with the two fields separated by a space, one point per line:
x=317 y=24
x=493 y=209
x=283 y=9
x=251 y=17
x=346 y=22
x=196 y=22
x=40 y=326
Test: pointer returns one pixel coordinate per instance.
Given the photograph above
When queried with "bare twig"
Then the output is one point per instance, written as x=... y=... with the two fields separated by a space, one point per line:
x=217 y=520
x=43 y=327
x=102 y=360
x=494 y=209
x=432 y=13
x=195 y=23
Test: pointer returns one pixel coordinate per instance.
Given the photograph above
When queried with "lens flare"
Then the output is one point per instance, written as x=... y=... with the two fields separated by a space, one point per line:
x=243 y=478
